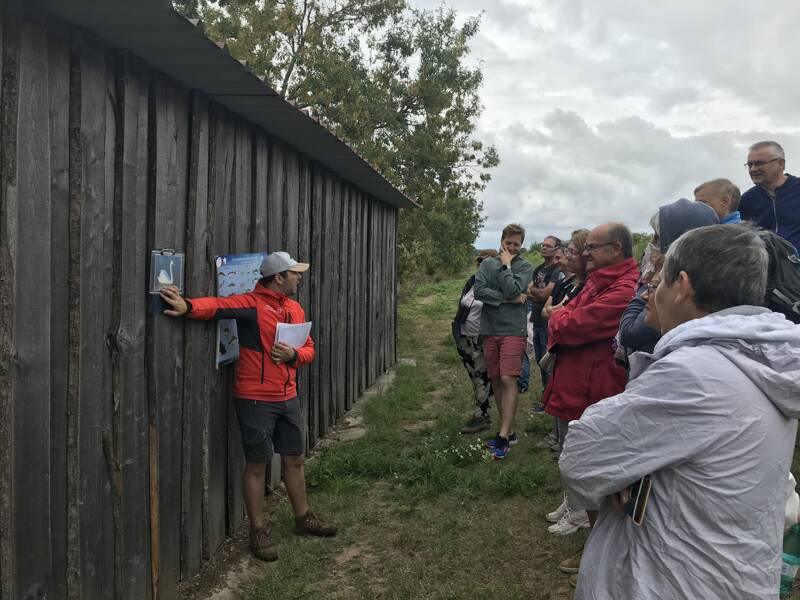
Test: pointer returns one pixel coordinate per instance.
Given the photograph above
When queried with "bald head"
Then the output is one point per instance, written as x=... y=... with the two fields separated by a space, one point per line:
x=606 y=245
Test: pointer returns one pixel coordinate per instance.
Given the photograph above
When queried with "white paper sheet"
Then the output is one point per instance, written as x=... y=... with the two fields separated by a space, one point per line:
x=294 y=334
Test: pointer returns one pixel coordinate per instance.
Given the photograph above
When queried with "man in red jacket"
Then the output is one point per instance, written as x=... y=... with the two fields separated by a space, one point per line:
x=581 y=337
x=265 y=389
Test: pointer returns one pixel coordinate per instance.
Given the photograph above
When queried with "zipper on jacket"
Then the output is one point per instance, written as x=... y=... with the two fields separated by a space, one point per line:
x=775 y=210
x=262 y=366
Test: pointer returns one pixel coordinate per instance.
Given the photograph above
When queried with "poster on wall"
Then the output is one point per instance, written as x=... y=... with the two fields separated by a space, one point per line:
x=236 y=274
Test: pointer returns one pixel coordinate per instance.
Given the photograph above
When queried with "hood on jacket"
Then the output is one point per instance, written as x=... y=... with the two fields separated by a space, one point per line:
x=605 y=276
x=763 y=344
x=679 y=217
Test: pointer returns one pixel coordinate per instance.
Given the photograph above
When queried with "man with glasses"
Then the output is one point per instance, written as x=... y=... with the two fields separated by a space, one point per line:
x=581 y=337
x=774 y=201
x=545 y=277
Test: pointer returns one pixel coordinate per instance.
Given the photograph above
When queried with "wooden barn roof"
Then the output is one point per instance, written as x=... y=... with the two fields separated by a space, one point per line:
x=177 y=46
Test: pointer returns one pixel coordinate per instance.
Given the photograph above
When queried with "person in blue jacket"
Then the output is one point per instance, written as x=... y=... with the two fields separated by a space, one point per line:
x=774 y=201
x=723 y=196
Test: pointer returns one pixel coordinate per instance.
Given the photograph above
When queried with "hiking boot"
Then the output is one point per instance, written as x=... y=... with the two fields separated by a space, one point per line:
x=570 y=522
x=261 y=544
x=476 y=424
x=555 y=516
x=573 y=581
x=310 y=524
x=571 y=564
x=490 y=443
x=547 y=442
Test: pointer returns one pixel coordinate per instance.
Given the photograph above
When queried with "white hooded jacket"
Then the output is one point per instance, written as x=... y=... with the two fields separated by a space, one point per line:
x=711 y=416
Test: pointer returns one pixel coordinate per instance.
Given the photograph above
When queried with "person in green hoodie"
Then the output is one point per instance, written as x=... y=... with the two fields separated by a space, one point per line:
x=501 y=284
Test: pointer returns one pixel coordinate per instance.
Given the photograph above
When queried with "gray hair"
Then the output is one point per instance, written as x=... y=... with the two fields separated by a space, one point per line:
x=617 y=232
x=776 y=148
x=737 y=275
x=724 y=187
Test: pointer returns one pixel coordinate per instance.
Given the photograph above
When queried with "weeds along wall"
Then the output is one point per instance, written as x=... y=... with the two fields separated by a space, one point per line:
x=120 y=459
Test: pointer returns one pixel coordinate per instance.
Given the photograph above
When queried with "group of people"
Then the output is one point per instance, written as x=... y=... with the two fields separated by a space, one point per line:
x=674 y=388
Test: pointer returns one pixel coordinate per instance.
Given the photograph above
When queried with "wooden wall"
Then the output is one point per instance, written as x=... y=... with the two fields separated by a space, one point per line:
x=120 y=460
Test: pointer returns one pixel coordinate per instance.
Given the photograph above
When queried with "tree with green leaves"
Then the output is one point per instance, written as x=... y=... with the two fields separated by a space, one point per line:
x=395 y=84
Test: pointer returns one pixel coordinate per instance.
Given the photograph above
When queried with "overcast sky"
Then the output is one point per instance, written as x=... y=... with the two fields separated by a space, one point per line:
x=605 y=109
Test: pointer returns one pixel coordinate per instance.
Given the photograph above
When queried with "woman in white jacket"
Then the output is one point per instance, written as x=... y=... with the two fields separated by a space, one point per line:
x=711 y=416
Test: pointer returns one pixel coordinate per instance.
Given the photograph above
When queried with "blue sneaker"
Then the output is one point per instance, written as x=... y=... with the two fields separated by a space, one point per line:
x=492 y=442
x=501 y=448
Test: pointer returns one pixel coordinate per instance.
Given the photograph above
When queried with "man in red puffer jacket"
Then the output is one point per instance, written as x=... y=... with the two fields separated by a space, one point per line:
x=581 y=338
x=265 y=389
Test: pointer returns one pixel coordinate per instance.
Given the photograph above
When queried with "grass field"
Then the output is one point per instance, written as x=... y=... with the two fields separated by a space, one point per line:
x=423 y=511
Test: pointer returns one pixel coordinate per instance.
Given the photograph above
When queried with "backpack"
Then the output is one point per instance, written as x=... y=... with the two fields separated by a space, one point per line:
x=783 y=276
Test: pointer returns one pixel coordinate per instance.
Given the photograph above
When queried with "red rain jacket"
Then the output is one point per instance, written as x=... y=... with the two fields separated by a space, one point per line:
x=582 y=337
x=257 y=315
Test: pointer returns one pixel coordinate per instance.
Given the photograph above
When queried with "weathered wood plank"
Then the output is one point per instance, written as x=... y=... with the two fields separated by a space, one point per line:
x=352 y=299
x=169 y=113
x=220 y=171
x=127 y=339
x=198 y=351
x=291 y=201
x=58 y=83
x=315 y=299
x=304 y=255
x=9 y=104
x=260 y=189
x=341 y=312
x=275 y=195
x=94 y=411
x=241 y=211
x=324 y=331
x=29 y=370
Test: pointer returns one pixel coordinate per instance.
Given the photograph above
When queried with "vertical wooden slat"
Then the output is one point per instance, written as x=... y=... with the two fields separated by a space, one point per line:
x=221 y=159
x=170 y=113
x=94 y=411
x=9 y=103
x=316 y=278
x=127 y=333
x=352 y=299
x=304 y=255
x=324 y=331
x=276 y=183
x=198 y=352
x=291 y=201
x=58 y=83
x=260 y=189
x=333 y=271
x=241 y=209
x=341 y=313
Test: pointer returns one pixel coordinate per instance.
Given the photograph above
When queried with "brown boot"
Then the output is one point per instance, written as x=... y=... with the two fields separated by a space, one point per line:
x=572 y=564
x=476 y=424
x=310 y=524
x=573 y=581
x=261 y=544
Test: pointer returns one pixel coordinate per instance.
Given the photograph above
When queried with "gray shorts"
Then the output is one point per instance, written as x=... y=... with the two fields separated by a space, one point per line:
x=270 y=425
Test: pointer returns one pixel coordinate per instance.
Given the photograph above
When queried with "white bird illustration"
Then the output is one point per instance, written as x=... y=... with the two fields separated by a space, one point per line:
x=164 y=278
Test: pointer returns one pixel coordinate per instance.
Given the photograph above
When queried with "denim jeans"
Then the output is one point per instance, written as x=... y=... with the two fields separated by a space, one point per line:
x=525 y=377
x=539 y=348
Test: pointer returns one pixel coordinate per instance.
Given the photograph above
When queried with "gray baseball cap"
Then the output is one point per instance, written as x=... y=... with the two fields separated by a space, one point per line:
x=278 y=262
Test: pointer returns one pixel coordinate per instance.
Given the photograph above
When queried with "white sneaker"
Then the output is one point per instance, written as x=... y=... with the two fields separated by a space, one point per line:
x=556 y=515
x=570 y=522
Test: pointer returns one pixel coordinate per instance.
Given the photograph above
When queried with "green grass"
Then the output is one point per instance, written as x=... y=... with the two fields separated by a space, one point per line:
x=423 y=511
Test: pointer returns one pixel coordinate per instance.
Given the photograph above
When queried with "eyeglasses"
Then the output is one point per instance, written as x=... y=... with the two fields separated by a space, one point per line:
x=757 y=164
x=651 y=288
x=593 y=247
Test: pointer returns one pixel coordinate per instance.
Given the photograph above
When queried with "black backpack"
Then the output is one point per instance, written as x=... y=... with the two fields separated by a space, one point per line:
x=783 y=277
